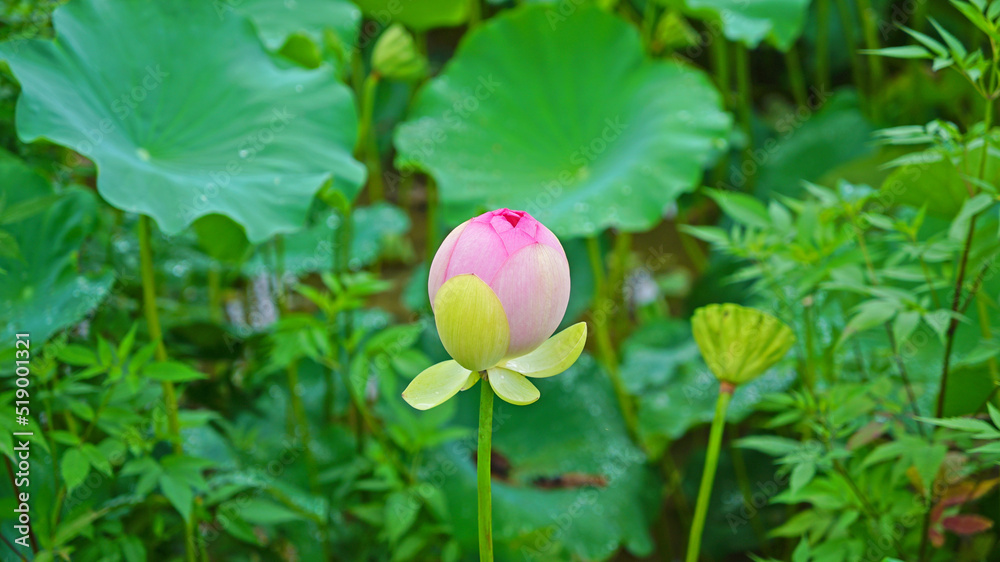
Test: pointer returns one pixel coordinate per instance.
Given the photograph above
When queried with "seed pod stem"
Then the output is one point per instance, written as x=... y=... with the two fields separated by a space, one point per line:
x=708 y=476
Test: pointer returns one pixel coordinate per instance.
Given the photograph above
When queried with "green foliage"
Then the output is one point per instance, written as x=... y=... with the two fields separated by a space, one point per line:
x=166 y=142
x=780 y=22
x=321 y=31
x=590 y=154
x=43 y=291
x=227 y=385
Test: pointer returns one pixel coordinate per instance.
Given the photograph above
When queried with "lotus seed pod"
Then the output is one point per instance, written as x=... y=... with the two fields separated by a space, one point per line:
x=739 y=343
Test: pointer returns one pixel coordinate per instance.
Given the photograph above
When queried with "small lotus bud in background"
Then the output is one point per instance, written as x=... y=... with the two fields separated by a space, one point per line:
x=499 y=286
x=395 y=55
x=739 y=343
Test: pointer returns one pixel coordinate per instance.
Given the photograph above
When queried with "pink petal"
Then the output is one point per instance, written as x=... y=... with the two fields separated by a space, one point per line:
x=545 y=236
x=439 y=266
x=479 y=251
x=533 y=287
x=514 y=239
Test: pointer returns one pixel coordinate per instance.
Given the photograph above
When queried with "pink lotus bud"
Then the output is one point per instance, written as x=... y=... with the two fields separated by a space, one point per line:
x=521 y=261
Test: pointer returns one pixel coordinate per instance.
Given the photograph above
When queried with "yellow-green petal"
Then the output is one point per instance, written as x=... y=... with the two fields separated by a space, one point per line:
x=474 y=377
x=512 y=387
x=471 y=322
x=554 y=356
x=435 y=384
x=739 y=343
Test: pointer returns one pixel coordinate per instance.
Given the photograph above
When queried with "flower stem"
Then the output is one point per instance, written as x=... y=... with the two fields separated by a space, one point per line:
x=960 y=278
x=153 y=324
x=368 y=140
x=483 y=472
x=822 y=55
x=156 y=334
x=869 y=30
x=745 y=103
x=605 y=346
x=708 y=476
x=302 y=425
x=796 y=78
x=848 y=24
x=215 y=293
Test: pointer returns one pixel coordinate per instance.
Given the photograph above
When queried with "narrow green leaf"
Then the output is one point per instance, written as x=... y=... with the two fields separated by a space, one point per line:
x=74 y=468
x=904 y=52
x=769 y=444
x=69 y=529
x=994 y=414
x=926 y=41
x=710 y=234
x=802 y=474
x=742 y=208
x=957 y=49
x=972 y=207
x=76 y=355
x=401 y=510
x=962 y=424
x=96 y=458
x=870 y=314
x=173 y=371
x=125 y=346
x=905 y=324
x=25 y=209
x=179 y=494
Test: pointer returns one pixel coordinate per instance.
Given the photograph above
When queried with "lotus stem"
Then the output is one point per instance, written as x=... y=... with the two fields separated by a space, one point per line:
x=156 y=334
x=795 y=76
x=215 y=293
x=720 y=67
x=483 y=480
x=302 y=423
x=475 y=14
x=869 y=30
x=960 y=276
x=368 y=139
x=745 y=103
x=605 y=346
x=823 y=44
x=720 y=73
x=708 y=476
x=857 y=76
x=987 y=332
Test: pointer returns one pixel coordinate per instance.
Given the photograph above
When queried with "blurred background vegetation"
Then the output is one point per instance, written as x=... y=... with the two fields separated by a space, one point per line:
x=216 y=219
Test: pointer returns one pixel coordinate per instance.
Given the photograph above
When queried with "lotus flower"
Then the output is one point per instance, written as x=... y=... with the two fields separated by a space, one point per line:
x=739 y=343
x=499 y=286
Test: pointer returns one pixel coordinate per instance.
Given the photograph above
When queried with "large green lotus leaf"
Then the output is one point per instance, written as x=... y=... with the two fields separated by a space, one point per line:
x=42 y=292
x=276 y=21
x=807 y=145
x=566 y=119
x=675 y=389
x=311 y=249
x=186 y=114
x=573 y=486
x=780 y=22
x=419 y=15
